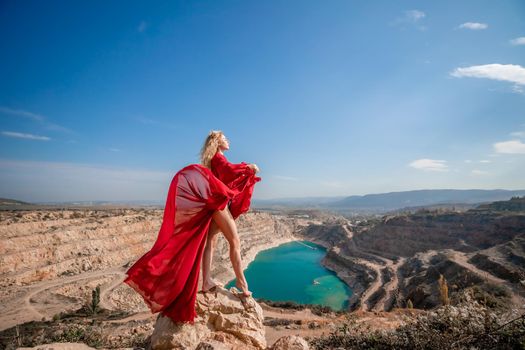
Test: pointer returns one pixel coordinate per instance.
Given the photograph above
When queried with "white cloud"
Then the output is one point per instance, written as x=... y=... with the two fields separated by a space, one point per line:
x=287 y=178
x=412 y=18
x=142 y=26
x=518 y=41
x=429 y=164
x=510 y=147
x=474 y=26
x=468 y=161
x=479 y=172
x=56 y=127
x=35 y=117
x=518 y=134
x=415 y=15
x=20 y=135
x=518 y=89
x=506 y=72
x=22 y=113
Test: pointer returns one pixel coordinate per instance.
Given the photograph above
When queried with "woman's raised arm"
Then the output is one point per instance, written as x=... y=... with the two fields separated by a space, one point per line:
x=227 y=171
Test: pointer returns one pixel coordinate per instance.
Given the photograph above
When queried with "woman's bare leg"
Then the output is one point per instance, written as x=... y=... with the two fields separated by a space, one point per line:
x=207 y=257
x=227 y=225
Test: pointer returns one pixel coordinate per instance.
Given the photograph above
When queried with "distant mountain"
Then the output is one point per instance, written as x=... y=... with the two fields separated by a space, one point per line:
x=7 y=201
x=396 y=200
x=130 y=203
x=12 y=204
x=514 y=204
x=296 y=202
x=384 y=202
x=370 y=203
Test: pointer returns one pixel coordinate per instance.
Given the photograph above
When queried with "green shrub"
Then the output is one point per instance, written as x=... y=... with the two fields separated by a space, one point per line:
x=95 y=301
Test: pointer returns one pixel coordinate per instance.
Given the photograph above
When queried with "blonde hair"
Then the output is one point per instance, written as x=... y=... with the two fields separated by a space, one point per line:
x=210 y=147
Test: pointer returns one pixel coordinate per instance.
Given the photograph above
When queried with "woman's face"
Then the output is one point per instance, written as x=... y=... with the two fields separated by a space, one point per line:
x=224 y=143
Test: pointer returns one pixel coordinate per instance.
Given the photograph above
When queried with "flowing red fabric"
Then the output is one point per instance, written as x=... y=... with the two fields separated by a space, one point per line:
x=167 y=275
x=238 y=177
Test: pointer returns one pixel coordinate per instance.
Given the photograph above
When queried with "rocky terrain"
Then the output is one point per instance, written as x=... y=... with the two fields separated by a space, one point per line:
x=53 y=259
x=392 y=260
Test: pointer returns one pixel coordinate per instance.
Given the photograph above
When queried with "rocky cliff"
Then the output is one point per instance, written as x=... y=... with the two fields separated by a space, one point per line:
x=51 y=260
x=397 y=258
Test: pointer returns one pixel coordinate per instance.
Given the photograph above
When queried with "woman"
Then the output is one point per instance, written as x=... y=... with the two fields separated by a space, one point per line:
x=237 y=177
x=167 y=275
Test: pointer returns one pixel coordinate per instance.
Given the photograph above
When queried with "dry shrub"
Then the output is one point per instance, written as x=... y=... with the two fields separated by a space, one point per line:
x=467 y=325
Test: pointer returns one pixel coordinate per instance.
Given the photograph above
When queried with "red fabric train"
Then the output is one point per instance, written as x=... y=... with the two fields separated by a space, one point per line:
x=167 y=276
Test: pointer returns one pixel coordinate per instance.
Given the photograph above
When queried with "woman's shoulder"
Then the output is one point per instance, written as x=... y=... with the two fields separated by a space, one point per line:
x=218 y=156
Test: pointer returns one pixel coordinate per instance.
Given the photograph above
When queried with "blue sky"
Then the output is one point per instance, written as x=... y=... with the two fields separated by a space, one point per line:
x=106 y=100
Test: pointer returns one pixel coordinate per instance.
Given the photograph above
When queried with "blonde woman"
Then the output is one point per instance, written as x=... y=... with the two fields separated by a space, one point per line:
x=240 y=178
x=202 y=198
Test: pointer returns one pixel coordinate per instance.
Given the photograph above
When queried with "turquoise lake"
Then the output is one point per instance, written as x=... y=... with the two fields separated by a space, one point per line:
x=293 y=272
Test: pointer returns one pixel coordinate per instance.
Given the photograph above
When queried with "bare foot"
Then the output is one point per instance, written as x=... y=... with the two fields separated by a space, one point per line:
x=243 y=288
x=209 y=285
x=245 y=297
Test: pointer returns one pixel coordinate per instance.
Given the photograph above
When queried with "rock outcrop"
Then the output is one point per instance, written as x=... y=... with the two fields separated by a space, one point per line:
x=221 y=317
x=290 y=342
x=59 y=346
x=222 y=322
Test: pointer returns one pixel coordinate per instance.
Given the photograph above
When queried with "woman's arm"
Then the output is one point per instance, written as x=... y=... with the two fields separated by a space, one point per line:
x=238 y=177
x=254 y=167
x=227 y=171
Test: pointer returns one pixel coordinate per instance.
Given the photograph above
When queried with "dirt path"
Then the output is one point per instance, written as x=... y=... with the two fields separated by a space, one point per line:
x=462 y=259
x=22 y=309
x=391 y=286
x=139 y=316
x=374 y=286
x=349 y=236
x=105 y=300
x=322 y=324
x=305 y=314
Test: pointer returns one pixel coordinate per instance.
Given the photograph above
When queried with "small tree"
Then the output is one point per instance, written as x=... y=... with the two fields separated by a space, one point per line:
x=95 y=300
x=443 y=290
x=410 y=305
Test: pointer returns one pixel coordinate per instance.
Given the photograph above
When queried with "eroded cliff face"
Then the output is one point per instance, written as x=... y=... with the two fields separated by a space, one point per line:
x=45 y=245
x=394 y=259
x=406 y=235
x=52 y=259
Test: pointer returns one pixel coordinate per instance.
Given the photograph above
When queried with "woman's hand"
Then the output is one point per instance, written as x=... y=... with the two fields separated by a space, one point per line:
x=254 y=167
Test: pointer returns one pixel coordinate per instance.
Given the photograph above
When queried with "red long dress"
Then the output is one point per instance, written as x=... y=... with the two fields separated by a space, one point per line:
x=167 y=275
x=238 y=177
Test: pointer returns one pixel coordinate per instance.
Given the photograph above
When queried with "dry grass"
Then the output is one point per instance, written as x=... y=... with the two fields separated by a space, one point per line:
x=467 y=325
